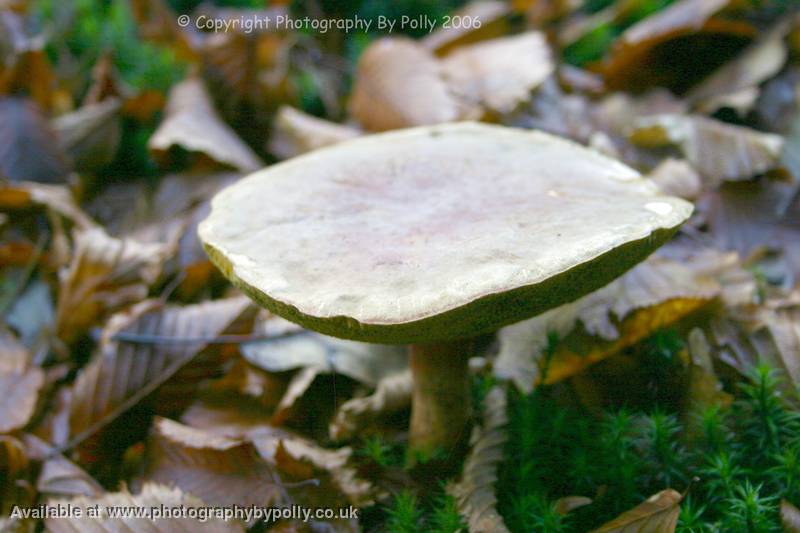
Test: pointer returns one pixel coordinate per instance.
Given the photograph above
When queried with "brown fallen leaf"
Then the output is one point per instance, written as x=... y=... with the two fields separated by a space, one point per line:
x=392 y=394
x=718 y=150
x=399 y=84
x=657 y=514
x=704 y=390
x=15 y=487
x=58 y=476
x=497 y=75
x=650 y=296
x=104 y=274
x=569 y=503
x=172 y=336
x=756 y=64
x=56 y=198
x=220 y=470
x=295 y=132
x=29 y=150
x=475 y=492
x=192 y=123
x=493 y=17
x=790 y=517
x=152 y=496
x=90 y=135
x=299 y=384
x=19 y=390
x=649 y=53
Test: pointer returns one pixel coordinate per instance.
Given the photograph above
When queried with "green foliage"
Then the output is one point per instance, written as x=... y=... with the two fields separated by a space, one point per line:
x=88 y=28
x=404 y=516
x=408 y=515
x=747 y=458
x=381 y=453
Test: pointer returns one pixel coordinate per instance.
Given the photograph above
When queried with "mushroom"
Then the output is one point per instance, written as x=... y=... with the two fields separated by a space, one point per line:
x=432 y=236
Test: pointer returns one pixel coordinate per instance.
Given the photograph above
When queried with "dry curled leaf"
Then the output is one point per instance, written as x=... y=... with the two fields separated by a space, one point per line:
x=704 y=390
x=192 y=123
x=104 y=274
x=658 y=514
x=475 y=492
x=124 y=373
x=392 y=394
x=29 y=150
x=652 y=52
x=718 y=150
x=58 y=476
x=497 y=75
x=295 y=133
x=152 y=496
x=399 y=84
x=790 y=517
x=299 y=384
x=650 y=296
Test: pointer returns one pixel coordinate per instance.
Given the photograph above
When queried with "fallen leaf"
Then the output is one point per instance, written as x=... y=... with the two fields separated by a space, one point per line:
x=650 y=296
x=19 y=390
x=152 y=496
x=652 y=52
x=475 y=492
x=58 y=475
x=104 y=274
x=29 y=150
x=221 y=470
x=124 y=373
x=569 y=503
x=704 y=389
x=15 y=356
x=192 y=123
x=295 y=133
x=392 y=394
x=90 y=136
x=499 y=74
x=57 y=198
x=677 y=177
x=756 y=64
x=658 y=514
x=15 y=465
x=756 y=216
x=790 y=517
x=490 y=19
x=298 y=386
x=399 y=84
x=365 y=362
x=718 y=150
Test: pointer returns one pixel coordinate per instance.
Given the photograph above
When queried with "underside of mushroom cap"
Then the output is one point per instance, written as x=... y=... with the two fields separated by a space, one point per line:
x=435 y=233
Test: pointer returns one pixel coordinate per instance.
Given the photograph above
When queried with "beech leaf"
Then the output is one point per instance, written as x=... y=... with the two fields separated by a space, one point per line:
x=718 y=150
x=658 y=514
x=192 y=123
x=475 y=492
x=790 y=517
x=152 y=495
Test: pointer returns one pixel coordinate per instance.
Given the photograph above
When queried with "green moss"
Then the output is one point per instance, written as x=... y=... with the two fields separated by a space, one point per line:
x=745 y=461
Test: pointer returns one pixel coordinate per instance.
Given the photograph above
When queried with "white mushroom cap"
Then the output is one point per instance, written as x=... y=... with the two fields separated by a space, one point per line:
x=435 y=233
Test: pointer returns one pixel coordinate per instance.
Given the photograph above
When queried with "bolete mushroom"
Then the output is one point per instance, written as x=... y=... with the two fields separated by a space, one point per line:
x=432 y=236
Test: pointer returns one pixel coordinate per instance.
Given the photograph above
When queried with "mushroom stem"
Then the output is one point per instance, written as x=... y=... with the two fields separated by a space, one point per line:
x=440 y=407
